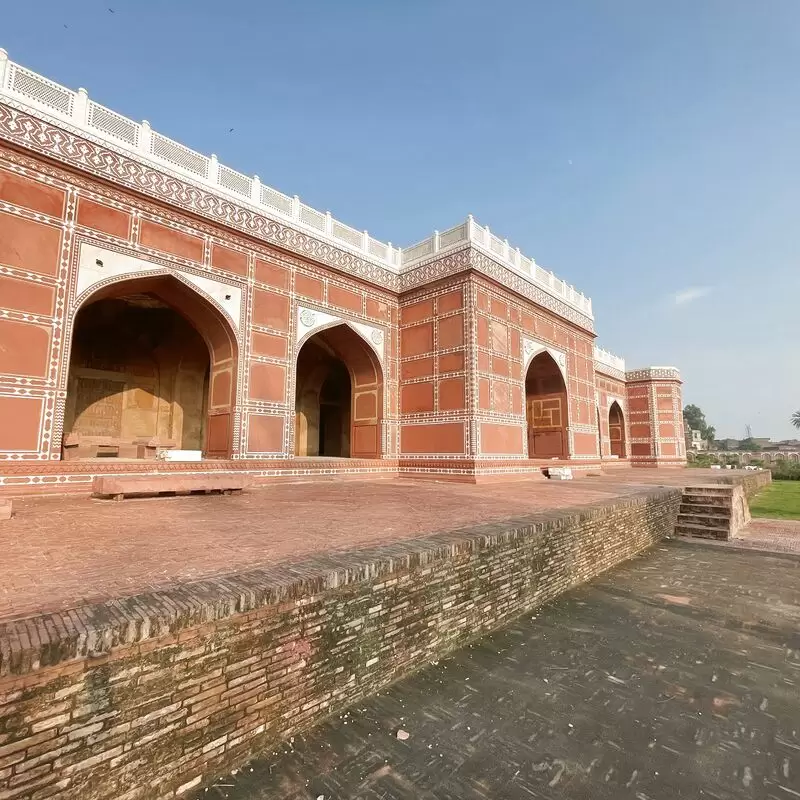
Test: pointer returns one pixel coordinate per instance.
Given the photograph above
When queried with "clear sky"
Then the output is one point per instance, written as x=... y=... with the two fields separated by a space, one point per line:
x=648 y=152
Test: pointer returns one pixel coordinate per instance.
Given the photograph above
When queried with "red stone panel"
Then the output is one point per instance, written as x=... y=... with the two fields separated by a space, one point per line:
x=28 y=193
x=221 y=385
x=218 y=435
x=484 y=361
x=639 y=404
x=501 y=439
x=446 y=438
x=365 y=441
x=20 y=295
x=377 y=309
x=417 y=340
x=501 y=397
x=265 y=434
x=20 y=422
x=498 y=308
x=500 y=366
x=268 y=382
x=499 y=337
x=24 y=348
x=585 y=444
x=271 y=309
x=451 y=394
x=664 y=404
x=416 y=397
x=640 y=430
x=516 y=399
x=272 y=274
x=666 y=431
x=168 y=240
x=309 y=287
x=451 y=301
x=451 y=362
x=484 y=398
x=344 y=298
x=483 y=331
x=229 y=260
x=269 y=344
x=103 y=218
x=29 y=245
x=418 y=368
x=668 y=449
x=641 y=449
x=416 y=312
x=366 y=405
x=451 y=332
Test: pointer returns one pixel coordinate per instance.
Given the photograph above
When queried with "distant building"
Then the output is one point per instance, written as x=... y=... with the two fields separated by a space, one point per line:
x=695 y=441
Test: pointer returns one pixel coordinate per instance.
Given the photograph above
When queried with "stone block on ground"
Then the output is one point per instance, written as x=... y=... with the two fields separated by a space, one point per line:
x=5 y=509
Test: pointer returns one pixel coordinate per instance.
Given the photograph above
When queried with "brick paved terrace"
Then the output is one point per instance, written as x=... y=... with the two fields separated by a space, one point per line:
x=673 y=676
x=62 y=551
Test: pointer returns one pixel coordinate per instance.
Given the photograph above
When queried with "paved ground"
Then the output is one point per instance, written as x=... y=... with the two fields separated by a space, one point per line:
x=58 y=552
x=675 y=676
x=777 y=535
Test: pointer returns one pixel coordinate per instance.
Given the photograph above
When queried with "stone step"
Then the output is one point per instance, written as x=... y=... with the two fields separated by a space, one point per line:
x=706 y=501
x=705 y=508
x=707 y=520
x=721 y=490
x=701 y=531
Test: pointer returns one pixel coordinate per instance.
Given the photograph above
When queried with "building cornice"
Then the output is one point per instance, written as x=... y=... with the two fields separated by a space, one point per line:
x=40 y=115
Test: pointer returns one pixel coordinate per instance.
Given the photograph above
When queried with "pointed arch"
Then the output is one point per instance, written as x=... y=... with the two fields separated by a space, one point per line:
x=169 y=394
x=616 y=430
x=546 y=408
x=338 y=394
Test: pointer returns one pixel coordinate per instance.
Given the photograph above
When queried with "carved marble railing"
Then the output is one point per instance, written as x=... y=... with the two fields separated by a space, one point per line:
x=77 y=111
x=603 y=358
x=470 y=232
x=141 y=141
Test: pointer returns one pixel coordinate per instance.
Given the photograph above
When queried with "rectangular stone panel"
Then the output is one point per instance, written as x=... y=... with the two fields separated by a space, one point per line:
x=418 y=368
x=501 y=439
x=20 y=423
x=270 y=344
x=446 y=438
x=451 y=332
x=417 y=340
x=29 y=245
x=451 y=394
x=416 y=397
x=268 y=382
x=265 y=433
x=310 y=287
x=103 y=218
x=229 y=260
x=26 y=296
x=585 y=444
x=344 y=298
x=272 y=274
x=24 y=348
x=169 y=240
x=271 y=309
x=28 y=193
x=416 y=312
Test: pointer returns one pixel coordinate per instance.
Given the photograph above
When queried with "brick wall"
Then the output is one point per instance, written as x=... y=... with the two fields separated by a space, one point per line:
x=149 y=697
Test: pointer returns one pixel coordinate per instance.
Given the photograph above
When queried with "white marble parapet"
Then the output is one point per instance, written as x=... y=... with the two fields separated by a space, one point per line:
x=41 y=97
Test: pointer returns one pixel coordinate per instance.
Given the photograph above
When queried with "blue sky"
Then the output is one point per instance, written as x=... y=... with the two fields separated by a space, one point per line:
x=647 y=152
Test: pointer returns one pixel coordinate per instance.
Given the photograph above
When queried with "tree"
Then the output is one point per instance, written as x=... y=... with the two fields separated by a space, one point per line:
x=796 y=419
x=749 y=444
x=695 y=419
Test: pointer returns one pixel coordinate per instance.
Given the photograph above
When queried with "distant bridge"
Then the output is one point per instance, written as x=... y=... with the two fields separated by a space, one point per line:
x=746 y=456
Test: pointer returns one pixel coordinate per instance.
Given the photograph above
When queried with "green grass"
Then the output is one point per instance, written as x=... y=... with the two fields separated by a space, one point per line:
x=779 y=500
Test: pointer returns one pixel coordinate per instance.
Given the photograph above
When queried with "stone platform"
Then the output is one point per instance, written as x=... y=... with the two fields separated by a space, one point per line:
x=59 y=552
x=673 y=676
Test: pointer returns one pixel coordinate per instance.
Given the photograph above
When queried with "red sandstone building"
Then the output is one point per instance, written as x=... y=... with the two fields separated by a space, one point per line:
x=157 y=306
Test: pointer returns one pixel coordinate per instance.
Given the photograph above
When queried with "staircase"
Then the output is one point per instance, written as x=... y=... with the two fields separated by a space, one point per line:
x=707 y=511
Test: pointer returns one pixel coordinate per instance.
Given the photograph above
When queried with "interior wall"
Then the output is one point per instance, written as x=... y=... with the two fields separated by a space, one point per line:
x=138 y=370
x=546 y=408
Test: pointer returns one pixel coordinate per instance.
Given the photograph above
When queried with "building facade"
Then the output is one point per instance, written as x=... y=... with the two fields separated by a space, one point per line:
x=154 y=301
